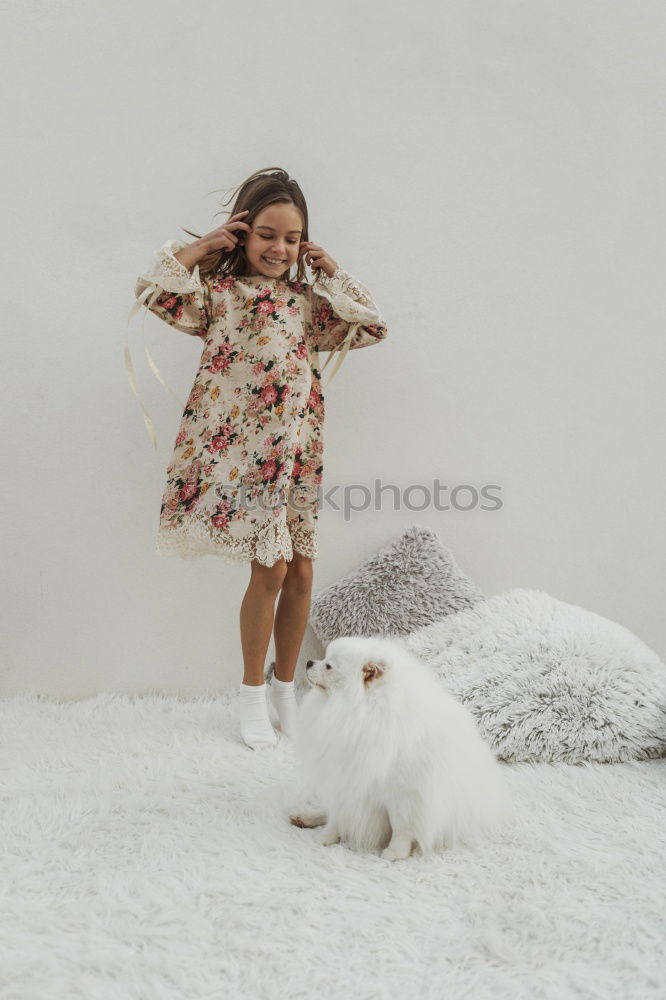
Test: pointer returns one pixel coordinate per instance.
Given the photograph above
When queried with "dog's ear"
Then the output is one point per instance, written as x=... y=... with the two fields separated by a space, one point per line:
x=372 y=670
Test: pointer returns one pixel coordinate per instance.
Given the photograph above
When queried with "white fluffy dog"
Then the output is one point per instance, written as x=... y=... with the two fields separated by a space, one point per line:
x=389 y=754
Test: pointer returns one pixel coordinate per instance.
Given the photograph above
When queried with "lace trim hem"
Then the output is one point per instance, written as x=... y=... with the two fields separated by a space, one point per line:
x=194 y=540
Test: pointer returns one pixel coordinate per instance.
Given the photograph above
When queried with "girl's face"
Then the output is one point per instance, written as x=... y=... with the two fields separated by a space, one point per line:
x=274 y=243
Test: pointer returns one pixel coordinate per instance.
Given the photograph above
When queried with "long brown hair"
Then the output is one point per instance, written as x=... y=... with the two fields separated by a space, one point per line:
x=261 y=188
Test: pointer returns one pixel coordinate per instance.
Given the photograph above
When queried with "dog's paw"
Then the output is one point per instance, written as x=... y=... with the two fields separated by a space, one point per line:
x=330 y=836
x=395 y=854
x=307 y=819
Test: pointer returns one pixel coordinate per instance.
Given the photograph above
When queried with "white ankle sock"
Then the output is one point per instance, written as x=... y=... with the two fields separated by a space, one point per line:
x=283 y=697
x=256 y=728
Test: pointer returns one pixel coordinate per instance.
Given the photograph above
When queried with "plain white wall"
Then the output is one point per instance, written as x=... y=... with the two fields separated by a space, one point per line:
x=493 y=171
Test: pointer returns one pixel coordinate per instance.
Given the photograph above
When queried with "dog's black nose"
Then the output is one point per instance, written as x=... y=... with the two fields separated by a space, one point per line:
x=309 y=664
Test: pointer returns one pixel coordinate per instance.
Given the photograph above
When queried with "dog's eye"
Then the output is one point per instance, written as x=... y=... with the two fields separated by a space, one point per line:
x=328 y=666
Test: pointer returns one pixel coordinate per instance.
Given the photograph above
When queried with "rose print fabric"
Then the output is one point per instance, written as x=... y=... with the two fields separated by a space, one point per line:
x=245 y=475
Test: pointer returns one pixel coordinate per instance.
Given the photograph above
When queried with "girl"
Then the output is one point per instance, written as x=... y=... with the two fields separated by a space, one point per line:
x=246 y=469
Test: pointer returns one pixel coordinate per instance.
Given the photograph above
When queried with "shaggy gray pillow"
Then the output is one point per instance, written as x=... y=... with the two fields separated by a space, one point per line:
x=549 y=681
x=407 y=584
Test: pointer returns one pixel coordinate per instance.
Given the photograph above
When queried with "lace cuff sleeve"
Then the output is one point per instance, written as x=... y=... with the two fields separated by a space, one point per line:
x=172 y=293
x=344 y=315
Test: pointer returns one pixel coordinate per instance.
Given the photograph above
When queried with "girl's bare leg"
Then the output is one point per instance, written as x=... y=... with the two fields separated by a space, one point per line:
x=257 y=615
x=291 y=616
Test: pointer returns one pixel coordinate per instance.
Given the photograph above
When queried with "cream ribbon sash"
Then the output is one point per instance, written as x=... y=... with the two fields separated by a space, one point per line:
x=341 y=351
x=153 y=290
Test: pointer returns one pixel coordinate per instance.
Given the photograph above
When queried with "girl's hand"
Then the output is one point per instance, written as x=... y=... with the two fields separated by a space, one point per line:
x=223 y=237
x=317 y=257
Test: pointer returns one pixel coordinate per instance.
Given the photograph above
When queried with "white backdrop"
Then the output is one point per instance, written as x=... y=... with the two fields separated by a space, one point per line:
x=492 y=171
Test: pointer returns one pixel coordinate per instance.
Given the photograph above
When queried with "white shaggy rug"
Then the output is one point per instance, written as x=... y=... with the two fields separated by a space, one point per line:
x=146 y=854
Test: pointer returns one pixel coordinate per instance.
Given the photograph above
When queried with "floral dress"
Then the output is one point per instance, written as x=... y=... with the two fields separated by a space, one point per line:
x=245 y=476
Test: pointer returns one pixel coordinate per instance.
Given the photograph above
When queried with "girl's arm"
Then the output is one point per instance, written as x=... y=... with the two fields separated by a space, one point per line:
x=171 y=291
x=344 y=316
x=338 y=303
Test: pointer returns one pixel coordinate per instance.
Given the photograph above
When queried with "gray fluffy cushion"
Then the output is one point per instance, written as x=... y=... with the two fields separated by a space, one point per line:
x=549 y=681
x=405 y=585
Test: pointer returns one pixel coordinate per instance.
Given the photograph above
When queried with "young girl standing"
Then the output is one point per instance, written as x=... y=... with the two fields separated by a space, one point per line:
x=246 y=470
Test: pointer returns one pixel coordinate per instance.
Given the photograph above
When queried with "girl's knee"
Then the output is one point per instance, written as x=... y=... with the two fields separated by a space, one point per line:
x=299 y=571
x=270 y=577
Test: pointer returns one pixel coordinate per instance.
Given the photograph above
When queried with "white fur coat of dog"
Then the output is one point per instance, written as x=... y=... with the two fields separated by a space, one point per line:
x=392 y=758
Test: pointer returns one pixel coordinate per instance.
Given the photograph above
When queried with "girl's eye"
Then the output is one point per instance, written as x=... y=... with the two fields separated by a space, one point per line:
x=288 y=241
